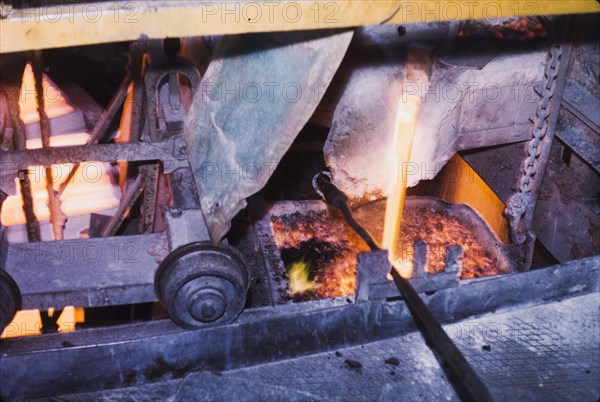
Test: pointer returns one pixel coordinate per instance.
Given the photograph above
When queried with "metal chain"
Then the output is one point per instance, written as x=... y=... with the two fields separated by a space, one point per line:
x=519 y=202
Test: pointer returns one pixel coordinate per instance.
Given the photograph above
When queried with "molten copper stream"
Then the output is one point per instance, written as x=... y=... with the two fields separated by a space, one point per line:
x=404 y=132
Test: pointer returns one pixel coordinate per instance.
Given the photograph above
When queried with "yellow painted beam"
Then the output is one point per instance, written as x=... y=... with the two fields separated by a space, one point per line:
x=113 y=21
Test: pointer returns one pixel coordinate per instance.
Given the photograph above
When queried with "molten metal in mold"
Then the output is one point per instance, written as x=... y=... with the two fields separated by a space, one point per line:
x=319 y=247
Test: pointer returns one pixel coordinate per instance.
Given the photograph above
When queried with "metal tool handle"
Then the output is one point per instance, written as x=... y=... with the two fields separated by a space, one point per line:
x=459 y=372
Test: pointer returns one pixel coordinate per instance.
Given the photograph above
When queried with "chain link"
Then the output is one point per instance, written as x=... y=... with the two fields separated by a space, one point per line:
x=519 y=202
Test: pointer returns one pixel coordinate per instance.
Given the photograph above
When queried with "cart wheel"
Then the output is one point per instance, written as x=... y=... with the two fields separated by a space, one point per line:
x=10 y=299
x=201 y=284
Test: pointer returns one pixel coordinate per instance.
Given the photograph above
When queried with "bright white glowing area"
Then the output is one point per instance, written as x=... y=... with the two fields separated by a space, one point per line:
x=91 y=187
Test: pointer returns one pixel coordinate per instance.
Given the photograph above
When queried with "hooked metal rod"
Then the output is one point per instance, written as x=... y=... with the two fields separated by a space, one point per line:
x=459 y=372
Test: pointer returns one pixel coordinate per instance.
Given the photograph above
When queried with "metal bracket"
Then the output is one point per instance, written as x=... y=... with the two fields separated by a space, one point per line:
x=172 y=153
x=185 y=227
x=163 y=121
x=372 y=281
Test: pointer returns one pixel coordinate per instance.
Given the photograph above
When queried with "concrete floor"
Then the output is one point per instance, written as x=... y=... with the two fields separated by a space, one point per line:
x=542 y=353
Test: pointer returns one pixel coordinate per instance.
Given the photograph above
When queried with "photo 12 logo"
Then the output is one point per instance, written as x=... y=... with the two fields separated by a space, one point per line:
x=224 y=12
x=250 y=172
x=93 y=13
x=53 y=253
x=429 y=11
x=271 y=11
x=265 y=92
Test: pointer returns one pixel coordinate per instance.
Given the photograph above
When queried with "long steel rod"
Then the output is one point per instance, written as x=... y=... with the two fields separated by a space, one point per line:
x=461 y=375
x=133 y=152
x=127 y=202
x=57 y=217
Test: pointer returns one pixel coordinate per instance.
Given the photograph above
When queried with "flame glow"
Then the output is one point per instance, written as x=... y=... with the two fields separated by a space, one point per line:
x=298 y=275
x=91 y=189
x=29 y=322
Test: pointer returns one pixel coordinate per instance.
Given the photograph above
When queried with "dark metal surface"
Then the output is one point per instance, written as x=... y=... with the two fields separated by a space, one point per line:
x=540 y=353
x=567 y=215
x=156 y=351
x=582 y=104
x=202 y=284
x=127 y=201
x=137 y=64
x=32 y=222
x=183 y=188
x=172 y=152
x=465 y=380
x=185 y=226
x=166 y=116
x=10 y=299
x=580 y=138
x=151 y=173
x=236 y=139
x=275 y=269
x=86 y=273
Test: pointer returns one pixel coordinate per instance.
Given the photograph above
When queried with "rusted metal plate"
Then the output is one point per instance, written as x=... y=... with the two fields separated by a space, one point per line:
x=256 y=96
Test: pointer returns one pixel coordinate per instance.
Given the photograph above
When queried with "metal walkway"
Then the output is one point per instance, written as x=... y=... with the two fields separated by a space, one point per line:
x=546 y=352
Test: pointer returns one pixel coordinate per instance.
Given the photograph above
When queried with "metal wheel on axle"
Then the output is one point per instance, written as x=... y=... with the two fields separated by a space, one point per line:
x=10 y=299
x=201 y=284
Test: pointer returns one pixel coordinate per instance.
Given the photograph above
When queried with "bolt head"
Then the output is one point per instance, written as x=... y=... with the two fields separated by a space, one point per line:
x=207 y=305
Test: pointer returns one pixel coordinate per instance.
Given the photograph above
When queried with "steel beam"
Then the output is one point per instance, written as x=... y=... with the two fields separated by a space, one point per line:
x=172 y=153
x=114 y=357
x=579 y=124
x=115 y=21
x=86 y=273
x=170 y=150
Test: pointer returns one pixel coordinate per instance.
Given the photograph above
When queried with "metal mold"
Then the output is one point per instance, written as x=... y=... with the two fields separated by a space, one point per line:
x=372 y=270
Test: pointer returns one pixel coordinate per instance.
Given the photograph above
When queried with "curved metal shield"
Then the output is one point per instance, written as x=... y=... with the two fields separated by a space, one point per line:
x=256 y=96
